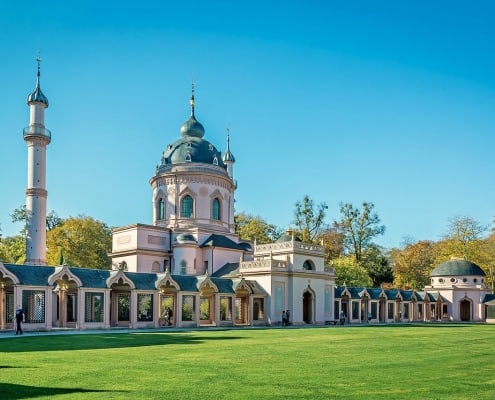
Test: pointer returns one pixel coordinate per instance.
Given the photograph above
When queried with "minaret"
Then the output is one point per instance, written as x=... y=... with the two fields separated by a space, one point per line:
x=229 y=160
x=37 y=138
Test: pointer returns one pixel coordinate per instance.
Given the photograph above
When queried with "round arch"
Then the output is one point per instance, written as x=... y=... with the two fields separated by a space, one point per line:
x=308 y=305
x=465 y=309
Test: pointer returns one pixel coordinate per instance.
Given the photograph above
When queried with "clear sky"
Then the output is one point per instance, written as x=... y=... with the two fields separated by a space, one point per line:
x=390 y=102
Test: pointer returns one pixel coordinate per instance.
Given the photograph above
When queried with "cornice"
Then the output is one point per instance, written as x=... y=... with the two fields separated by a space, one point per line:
x=36 y=192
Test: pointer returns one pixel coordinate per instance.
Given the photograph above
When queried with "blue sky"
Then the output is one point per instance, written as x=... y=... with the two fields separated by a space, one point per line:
x=385 y=101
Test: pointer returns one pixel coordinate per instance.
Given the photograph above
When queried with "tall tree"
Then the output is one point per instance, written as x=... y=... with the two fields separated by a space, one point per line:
x=333 y=241
x=348 y=272
x=53 y=220
x=376 y=262
x=412 y=264
x=465 y=236
x=309 y=218
x=360 y=227
x=84 y=241
x=21 y=214
x=250 y=227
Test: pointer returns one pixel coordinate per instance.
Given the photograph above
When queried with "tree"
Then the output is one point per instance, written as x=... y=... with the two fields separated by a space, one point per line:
x=84 y=241
x=376 y=262
x=333 y=241
x=359 y=227
x=21 y=214
x=413 y=264
x=349 y=272
x=252 y=228
x=13 y=249
x=53 y=220
x=465 y=236
x=309 y=219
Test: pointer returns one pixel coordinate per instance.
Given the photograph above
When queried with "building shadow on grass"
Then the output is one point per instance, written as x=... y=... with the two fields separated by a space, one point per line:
x=104 y=341
x=14 y=392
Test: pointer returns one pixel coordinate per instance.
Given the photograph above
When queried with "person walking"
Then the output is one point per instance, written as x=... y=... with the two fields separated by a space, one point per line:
x=19 y=319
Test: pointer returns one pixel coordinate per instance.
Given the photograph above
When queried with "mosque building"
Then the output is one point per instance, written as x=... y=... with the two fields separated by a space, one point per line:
x=188 y=268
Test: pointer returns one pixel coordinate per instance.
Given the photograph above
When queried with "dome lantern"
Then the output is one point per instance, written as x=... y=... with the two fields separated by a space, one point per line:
x=37 y=95
x=192 y=127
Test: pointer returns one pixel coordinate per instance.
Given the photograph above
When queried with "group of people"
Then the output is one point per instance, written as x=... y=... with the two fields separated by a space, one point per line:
x=168 y=316
x=285 y=317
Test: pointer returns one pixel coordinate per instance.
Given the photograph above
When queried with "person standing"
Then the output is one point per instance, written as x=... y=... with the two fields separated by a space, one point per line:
x=284 y=319
x=170 y=316
x=19 y=319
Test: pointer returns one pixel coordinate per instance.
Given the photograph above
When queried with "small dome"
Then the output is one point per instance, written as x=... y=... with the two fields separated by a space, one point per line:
x=457 y=267
x=228 y=157
x=185 y=237
x=192 y=128
x=37 y=96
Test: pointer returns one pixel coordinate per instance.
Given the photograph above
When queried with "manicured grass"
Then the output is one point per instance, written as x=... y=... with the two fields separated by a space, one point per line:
x=394 y=362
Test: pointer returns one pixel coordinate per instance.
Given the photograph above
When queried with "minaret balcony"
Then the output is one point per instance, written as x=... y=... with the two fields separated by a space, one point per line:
x=34 y=130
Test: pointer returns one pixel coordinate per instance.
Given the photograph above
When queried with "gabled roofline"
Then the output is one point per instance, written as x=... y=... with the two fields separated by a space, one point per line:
x=7 y=274
x=60 y=272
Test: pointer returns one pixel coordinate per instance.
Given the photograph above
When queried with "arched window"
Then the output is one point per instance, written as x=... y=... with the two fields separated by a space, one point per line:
x=161 y=209
x=308 y=265
x=186 y=206
x=215 y=209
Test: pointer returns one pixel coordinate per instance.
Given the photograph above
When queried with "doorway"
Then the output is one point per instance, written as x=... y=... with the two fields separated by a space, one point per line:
x=308 y=307
x=465 y=306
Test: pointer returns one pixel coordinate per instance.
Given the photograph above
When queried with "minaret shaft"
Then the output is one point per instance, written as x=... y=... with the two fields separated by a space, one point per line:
x=37 y=138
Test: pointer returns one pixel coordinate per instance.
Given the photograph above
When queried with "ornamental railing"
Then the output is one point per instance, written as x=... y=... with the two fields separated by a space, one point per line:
x=34 y=130
x=263 y=264
x=290 y=245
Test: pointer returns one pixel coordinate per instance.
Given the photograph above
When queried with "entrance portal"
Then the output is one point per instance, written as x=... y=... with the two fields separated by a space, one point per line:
x=465 y=310
x=307 y=307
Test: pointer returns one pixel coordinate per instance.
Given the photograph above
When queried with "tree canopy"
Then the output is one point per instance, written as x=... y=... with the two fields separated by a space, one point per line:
x=255 y=228
x=359 y=227
x=309 y=218
x=349 y=272
x=82 y=241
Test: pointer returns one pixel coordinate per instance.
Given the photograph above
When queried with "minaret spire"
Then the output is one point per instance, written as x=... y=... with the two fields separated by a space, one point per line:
x=192 y=99
x=38 y=60
x=37 y=138
x=228 y=158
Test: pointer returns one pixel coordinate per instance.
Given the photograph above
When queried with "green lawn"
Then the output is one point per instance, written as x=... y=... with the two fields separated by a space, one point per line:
x=395 y=362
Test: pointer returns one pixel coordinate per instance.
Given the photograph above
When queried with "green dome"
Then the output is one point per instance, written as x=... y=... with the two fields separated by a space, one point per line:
x=37 y=95
x=457 y=268
x=192 y=149
x=192 y=127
